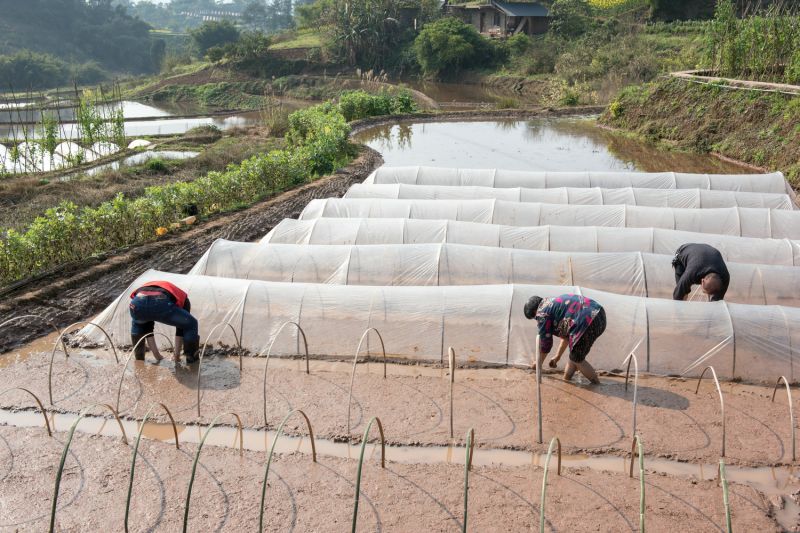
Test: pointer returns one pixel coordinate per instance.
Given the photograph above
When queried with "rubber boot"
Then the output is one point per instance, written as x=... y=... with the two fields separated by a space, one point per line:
x=190 y=349
x=140 y=349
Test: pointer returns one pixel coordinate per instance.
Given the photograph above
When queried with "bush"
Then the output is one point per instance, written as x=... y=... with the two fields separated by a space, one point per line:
x=448 y=45
x=360 y=104
x=214 y=34
x=519 y=44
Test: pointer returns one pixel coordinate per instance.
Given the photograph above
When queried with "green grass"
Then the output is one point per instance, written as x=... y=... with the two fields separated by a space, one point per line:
x=308 y=38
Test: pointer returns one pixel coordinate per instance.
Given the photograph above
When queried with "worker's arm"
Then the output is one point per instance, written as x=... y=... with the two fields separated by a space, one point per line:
x=545 y=339
x=683 y=287
x=151 y=343
x=561 y=349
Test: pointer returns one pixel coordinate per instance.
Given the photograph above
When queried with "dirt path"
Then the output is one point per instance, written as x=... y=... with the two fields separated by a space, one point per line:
x=307 y=496
x=79 y=291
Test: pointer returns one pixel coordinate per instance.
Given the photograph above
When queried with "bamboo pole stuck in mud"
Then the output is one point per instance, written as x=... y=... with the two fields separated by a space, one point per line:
x=38 y=402
x=451 y=361
x=272 y=451
x=203 y=353
x=269 y=353
x=637 y=445
x=721 y=400
x=725 y=500
x=197 y=457
x=64 y=453
x=632 y=357
x=791 y=411
x=467 y=468
x=136 y=450
x=22 y=317
x=361 y=463
x=539 y=389
x=355 y=362
x=61 y=339
x=554 y=440
x=128 y=359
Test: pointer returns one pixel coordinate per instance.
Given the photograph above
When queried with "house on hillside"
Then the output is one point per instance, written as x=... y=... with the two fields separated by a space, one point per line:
x=502 y=19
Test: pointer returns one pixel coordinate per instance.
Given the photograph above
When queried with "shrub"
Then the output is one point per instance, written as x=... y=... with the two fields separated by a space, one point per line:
x=519 y=44
x=213 y=34
x=449 y=45
x=360 y=104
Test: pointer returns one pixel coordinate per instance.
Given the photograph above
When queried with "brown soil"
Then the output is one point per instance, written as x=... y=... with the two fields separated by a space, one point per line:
x=80 y=290
x=22 y=199
x=307 y=496
x=413 y=403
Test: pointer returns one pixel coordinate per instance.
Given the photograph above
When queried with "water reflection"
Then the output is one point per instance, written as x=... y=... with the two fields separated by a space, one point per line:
x=574 y=143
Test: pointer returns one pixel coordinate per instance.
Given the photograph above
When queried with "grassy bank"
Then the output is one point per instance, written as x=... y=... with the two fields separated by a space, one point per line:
x=756 y=127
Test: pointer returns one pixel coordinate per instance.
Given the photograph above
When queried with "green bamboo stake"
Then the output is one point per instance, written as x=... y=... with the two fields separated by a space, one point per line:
x=725 y=499
x=637 y=445
x=467 y=468
x=64 y=453
x=544 y=478
x=269 y=460
x=136 y=450
x=197 y=457
x=361 y=462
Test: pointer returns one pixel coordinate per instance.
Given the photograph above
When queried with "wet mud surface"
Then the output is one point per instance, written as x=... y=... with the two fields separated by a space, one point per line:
x=307 y=496
x=414 y=404
x=80 y=291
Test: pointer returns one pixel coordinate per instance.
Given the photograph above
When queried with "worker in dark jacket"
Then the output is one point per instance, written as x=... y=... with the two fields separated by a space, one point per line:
x=577 y=320
x=161 y=301
x=700 y=264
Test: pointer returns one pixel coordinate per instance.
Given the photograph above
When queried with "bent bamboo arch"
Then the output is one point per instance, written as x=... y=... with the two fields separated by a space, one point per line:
x=128 y=359
x=269 y=459
x=269 y=354
x=43 y=319
x=364 y=336
x=203 y=353
x=61 y=339
x=38 y=402
x=197 y=457
x=361 y=463
x=136 y=451
x=64 y=453
x=721 y=400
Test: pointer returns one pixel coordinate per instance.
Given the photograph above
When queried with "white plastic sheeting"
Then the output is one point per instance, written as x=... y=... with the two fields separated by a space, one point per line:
x=482 y=323
x=678 y=198
x=747 y=222
x=555 y=238
x=632 y=273
x=420 y=175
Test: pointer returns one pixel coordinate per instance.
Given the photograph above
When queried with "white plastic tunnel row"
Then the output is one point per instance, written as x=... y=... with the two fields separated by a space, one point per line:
x=741 y=221
x=630 y=273
x=483 y=323
x=331 y=231
x=675 y=198
x=773 y=182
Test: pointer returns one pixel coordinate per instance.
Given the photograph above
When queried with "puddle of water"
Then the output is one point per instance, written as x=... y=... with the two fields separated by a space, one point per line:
x=552 y=144
x=32 y=113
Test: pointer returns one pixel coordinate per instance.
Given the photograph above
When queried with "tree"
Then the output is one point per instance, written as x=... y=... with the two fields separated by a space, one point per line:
x=570 y=18
x=158 y=51
x=363 y=32
x=449 y=45
x=255 y=15
x=214 y=33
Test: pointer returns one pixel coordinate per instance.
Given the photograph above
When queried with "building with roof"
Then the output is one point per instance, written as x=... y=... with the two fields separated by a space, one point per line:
x=503 y=19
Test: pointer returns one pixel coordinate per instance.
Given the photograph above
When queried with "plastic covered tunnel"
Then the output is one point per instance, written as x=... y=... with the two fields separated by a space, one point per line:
x=555 y=238
x=631 y=273
x=678 y=198
x=746 y=222
x=483 y=323
x=421 y=175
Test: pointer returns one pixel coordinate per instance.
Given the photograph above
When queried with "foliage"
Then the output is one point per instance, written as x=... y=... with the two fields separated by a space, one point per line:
x=682 y=9
x=757 y=47
x=214 y=33
x=77 y=32
x=570 y=18
x=519 y=44
x=363 y=32
x=449 y=45
x=30 y=70
x=360 y=104
x=318 y=143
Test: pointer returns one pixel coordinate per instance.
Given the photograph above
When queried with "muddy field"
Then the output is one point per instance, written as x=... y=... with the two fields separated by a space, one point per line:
x=307 y=496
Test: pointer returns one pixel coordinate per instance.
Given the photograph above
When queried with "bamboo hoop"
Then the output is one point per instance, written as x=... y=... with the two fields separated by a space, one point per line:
x=721 y=400
x=269 y=353
x=203 y=352
x=361 y=463
x=467 y=468
x=38 y=402
x=355 y=362
x=791 y=410
x=61 y=339
x=127 y=360
x=637 y=445
x=554 y=440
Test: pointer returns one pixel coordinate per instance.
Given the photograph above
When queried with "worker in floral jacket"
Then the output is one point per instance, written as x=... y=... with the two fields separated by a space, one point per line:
x=577 y=321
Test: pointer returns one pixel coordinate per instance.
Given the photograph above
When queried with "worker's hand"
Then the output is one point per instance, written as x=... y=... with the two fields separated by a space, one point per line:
x=553 y=363
x=176 y=357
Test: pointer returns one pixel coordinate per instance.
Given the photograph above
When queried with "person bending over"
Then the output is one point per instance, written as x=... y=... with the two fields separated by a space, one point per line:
x=577 y=320
x=161 y=301
x=700 y=264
